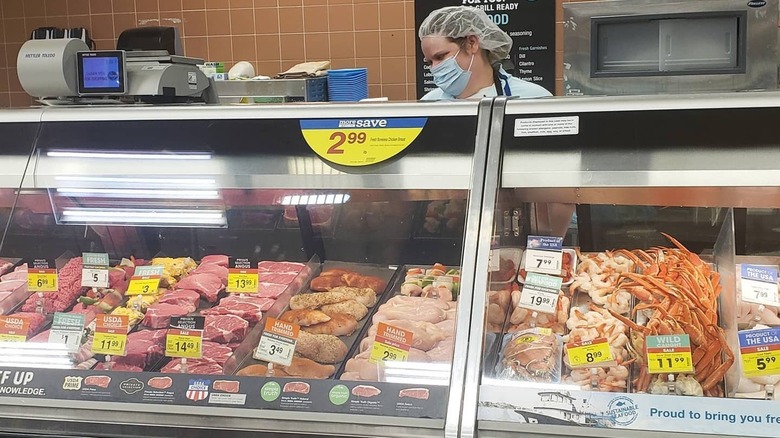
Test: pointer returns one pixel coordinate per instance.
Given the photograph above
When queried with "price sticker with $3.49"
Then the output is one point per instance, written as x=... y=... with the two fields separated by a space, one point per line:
x=277 y=344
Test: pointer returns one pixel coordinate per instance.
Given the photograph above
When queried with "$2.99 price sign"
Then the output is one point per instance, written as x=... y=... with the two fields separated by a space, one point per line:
x=669 y=354
x=391 y=344
x=360 y=142
x=760 y=352
x=110 y=335
x=277 y=344
x=145 y=280
x=585 y=354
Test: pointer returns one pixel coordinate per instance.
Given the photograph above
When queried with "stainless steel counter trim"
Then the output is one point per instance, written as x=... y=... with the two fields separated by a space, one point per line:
x=290 y=111
x=500 y=429
x=474 y=210
x=639 y=179
x=477 y=323
x=218 y=418
x=765 y=99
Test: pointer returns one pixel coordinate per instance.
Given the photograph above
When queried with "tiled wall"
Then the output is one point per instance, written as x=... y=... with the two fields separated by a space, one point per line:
x=273 y=34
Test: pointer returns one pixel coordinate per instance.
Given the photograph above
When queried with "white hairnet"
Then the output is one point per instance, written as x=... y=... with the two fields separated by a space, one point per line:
x=462 y=21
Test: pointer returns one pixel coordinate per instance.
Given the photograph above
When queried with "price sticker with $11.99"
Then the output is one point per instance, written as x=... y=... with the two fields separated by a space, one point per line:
x=277 y=343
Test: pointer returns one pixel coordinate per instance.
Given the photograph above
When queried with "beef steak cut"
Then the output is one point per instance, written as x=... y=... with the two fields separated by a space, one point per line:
x=159 y=315
x=225 y=329
x=226 y=385
x=160 y=382
x=366 y=391
x=182 y=297
x=248 y=308
x=299 y=387
x=194 y=366
x=100 y=381
x=207 y=285
x=418 y=393
x=270 y=290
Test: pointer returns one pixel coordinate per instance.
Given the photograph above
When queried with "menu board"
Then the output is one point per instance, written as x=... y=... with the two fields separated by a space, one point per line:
x=531 y=24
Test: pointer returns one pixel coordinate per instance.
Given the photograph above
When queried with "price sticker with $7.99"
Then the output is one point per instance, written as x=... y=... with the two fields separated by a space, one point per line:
x=277 y=344
x=544 y=254
x=758 y=284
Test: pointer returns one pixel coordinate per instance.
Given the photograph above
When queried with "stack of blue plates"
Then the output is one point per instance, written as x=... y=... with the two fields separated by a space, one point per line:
x=347 y=85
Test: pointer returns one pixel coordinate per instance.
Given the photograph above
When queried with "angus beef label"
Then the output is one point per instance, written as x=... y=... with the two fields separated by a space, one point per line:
x=325 y=396
x=530 y=23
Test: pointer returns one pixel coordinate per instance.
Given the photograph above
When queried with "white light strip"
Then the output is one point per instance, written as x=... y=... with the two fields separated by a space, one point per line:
x=131 y=156
x=139 y=193
x=193 y=217
x=200 y=182
x=328 y=199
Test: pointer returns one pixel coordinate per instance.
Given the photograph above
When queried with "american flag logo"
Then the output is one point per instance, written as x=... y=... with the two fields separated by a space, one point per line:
x=198 y=390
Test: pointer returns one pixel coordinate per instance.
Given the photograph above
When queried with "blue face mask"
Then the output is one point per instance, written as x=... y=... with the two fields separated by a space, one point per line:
x=450 y=77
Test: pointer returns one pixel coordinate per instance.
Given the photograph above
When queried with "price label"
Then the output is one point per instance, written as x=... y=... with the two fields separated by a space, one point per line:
x=42 y=280
x=277 y=344
x=185 y=337
x=759 y=284
x=145 y=280
x=669 y=354
x=110 y=335
x=242 y=276
x=760 y=352
x=391 y=344
x=13 y=329
x=540 y=293
x=67 y=329
x=544 y=255
x=360 y=142
x=586 y=354
x=95 y=270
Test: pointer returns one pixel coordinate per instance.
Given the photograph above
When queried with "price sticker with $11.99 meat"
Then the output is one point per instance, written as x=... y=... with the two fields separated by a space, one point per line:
x=277 y=344
x=110 y=335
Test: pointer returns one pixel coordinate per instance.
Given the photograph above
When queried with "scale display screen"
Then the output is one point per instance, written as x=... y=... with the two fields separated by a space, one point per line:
x=102 y=72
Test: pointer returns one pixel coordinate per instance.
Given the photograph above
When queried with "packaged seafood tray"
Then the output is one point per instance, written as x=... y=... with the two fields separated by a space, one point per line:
x=443 y=219
x=430 y=319
x=331 y=316
x=323 y=219
x=567 y=272
x=505 y=266
x=254 y=218
x=369 y=220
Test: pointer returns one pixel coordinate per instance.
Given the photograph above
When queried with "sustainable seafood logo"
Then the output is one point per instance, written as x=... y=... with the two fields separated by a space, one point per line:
x=623 y=411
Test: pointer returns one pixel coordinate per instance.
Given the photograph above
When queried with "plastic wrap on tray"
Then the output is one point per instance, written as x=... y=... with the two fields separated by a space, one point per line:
x=531 y=355
x=505 y=266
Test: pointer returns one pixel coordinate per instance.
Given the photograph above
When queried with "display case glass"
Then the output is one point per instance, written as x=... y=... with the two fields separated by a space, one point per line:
x=630 y=272
x=225 y=268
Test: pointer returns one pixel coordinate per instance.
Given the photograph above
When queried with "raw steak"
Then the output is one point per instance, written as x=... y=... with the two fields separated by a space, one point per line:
x=207 y=285
x=189 y=299
x=194 y=366
x=4 y=295
x=217 y=352
x=12 y=285
x=159 y=315
x=5 y=266
x=225 y=328
x=366 y=391
x=248 y=308
x=217 y=259
x=119 y=367
x=226 y=385
x=418 y=393
x=69 y=289
x=20 y=273
x=299 y=387
x=100 y=381
x=144 y=347
x=160 y=382
x=267 y=266
x=270 y=290
x=275 y=277
x=210 y=268
x=36 y=321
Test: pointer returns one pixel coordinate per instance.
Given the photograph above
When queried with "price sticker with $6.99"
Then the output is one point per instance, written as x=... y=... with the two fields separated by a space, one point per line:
x=277 y=344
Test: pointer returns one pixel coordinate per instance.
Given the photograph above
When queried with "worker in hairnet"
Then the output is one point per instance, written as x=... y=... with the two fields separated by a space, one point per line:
x=464 y=49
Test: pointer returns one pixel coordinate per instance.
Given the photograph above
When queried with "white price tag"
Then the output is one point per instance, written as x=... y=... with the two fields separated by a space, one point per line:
x=759 y=284
x=67 y=329
x=494 y=263
x=94 y=277
x=95 y=270
x=540 y=293
x=544 y=255
x=277 y=344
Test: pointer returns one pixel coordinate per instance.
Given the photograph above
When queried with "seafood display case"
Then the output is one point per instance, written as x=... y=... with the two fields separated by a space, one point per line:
x=630 y=275
x=264 y=270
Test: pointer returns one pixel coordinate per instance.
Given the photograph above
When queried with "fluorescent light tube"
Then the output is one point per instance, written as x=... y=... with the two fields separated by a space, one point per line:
x=130 y=156
x=138 y=193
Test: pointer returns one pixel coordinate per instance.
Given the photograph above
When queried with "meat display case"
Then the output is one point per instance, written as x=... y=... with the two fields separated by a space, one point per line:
x=192 y=189
x=582 y=352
